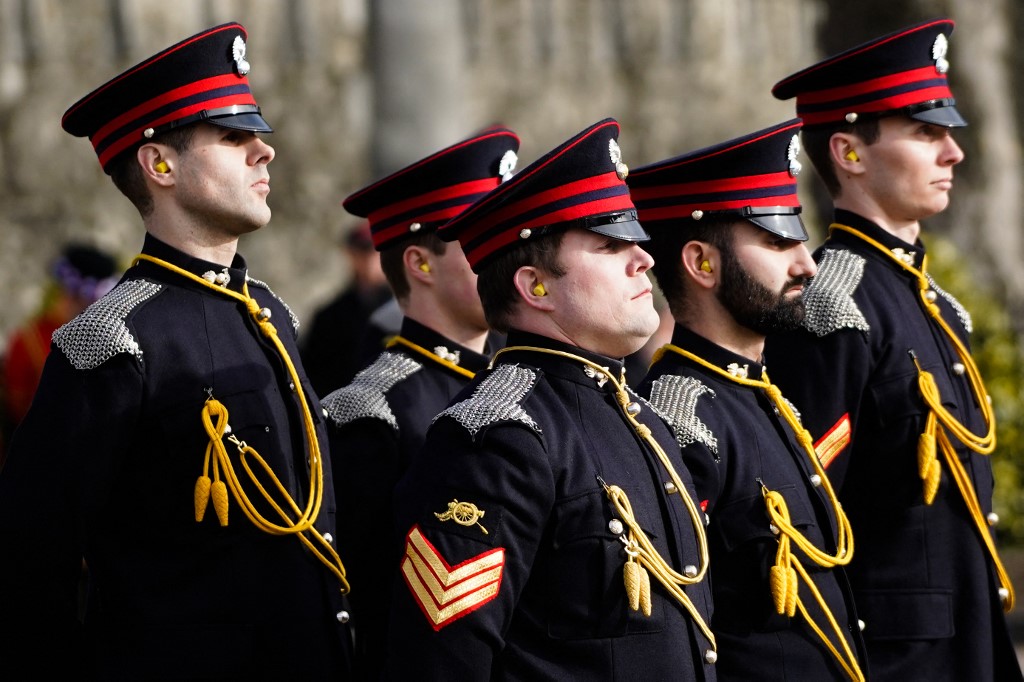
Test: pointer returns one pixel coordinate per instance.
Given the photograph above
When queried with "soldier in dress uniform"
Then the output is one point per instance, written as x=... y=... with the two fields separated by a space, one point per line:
x=175 y=442
x=549 y=522
x=728 y=245
x=378 y=422
x=882 y=370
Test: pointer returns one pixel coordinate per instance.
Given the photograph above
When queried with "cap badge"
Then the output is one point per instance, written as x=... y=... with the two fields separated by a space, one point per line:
x=791 y=153
x=463 y=513
x=939 y=49
x=615 y=153
x=507 y=165
x=238 y=54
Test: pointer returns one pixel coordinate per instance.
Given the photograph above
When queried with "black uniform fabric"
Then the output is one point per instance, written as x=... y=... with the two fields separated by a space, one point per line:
x=104 y=468
x=526 y=442
x=733 y=440
x=376 y=426
x=922 y=579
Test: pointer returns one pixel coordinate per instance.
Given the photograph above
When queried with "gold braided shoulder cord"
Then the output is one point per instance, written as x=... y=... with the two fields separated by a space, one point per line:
x=938 y=416
x=215 y=423
x=641 y=552
x=402 y=341
x=783 y=576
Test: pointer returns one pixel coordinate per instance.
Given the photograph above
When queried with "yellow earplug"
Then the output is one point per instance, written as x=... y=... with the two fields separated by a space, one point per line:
x=852 y=156
x=539 y=290
x=162 y=167
x=424 y=267
x=705 y=266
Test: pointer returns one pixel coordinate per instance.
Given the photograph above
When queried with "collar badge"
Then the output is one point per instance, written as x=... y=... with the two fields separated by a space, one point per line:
x=737 y=370
x=600 y=377
x=452 y=356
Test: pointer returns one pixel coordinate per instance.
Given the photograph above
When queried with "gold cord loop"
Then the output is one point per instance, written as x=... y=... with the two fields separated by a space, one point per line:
x=215 y=422
x=938 y=416
x=646 y=554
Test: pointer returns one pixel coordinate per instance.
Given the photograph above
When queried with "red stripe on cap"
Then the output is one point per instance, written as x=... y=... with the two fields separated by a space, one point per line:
x=590 y=208
x=925 y=73
x=883 y=104
x=134 y=136
x=591 y=184
x=677 y=211
x=184 y=92
x=464 y=189
x=762 y=181
x=443 y=215
x=154 y=59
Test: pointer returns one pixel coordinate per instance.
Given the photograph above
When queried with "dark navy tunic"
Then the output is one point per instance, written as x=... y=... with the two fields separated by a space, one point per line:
x=530 y=585
x=733 y=440
x=376 y=425
x=104 y=468
x=922 y=579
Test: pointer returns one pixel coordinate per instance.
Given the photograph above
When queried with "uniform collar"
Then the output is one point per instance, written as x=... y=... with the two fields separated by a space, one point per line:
x=912 y=254
x=442 y=346
x=558 y=365
x=197 y=266
x=728 y=361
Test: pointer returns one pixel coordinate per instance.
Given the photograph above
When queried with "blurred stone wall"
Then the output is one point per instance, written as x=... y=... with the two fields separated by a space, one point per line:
x=355 y=89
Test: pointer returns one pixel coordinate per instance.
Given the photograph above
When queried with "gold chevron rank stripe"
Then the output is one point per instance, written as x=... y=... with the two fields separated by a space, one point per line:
x=835 y=441
x=446 y=593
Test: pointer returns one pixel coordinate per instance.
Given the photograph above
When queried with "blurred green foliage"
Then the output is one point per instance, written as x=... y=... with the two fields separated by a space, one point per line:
x=997 y=350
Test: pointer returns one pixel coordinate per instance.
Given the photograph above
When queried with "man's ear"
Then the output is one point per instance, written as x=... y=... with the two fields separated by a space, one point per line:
x=157 y=162
x=700 y=262
x=845 y=150
x=417 y=261
x=533 y=287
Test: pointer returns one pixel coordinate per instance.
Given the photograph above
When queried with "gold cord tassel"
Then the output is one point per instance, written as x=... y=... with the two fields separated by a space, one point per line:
x=778 y=576
x=219 y=493
x=202 y=496
x=645 y=591
x=631 y=579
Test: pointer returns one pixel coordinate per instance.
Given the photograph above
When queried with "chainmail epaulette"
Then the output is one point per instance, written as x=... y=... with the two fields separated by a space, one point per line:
x=496 y=399
x=365 y=396
x=674 y=398
x=961 y=312
x=828 y=297
x=264 y=285
x=99 y=332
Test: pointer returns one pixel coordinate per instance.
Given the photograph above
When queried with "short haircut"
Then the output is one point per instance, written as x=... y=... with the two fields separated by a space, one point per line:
x=816 y=141
x=127 y=174
x=666 y=246
x=496 y=284
x=392 y=260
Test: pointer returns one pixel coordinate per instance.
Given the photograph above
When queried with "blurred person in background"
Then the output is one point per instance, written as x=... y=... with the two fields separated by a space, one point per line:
x=79 y=276
x=331 y=351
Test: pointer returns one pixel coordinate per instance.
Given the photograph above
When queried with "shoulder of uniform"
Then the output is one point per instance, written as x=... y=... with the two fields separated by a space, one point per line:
x=366 y=395
x=101 y=332
x=828 y=297
x=674 y=398
x=961 y=312
x=498 y=398
x=265 y=286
